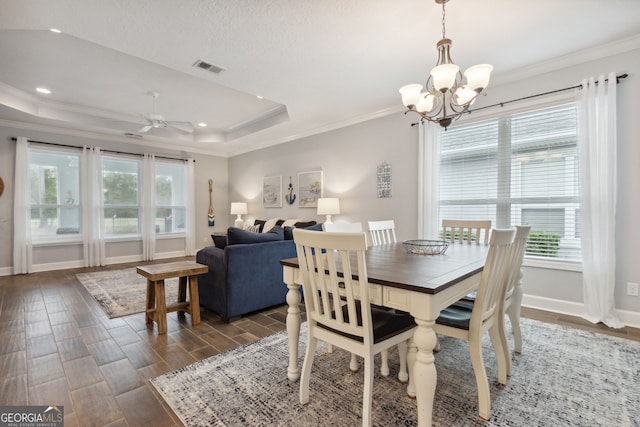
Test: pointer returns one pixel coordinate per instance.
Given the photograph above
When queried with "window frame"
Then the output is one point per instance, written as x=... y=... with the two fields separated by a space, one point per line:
x=140 y=208
x=510 y=110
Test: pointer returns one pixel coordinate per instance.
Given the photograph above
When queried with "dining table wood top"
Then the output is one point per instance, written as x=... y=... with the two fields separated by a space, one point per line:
x=392 y=265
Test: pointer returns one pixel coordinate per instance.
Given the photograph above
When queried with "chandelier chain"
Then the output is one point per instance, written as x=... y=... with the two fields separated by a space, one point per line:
x=443 y=13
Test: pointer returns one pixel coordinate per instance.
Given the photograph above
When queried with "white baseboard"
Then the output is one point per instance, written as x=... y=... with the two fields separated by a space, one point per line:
x=6 y=271
x=629 y=318
x=38 y=268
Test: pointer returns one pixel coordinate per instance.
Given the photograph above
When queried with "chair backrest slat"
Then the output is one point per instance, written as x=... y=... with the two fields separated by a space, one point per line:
x=469 y=231
x=519 y=247
x=494 y=276
x=382 y=232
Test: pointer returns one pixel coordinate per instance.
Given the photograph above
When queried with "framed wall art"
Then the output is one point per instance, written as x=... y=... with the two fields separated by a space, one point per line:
x=272 y=192
x=309 y=189
x=384 y=180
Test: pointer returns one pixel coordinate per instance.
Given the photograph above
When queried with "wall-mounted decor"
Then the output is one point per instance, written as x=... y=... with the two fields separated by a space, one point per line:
x=309 y=189
x=210 y=214
x=272 y=192
x=1 y=186
x=384 y=180
x=289 y=196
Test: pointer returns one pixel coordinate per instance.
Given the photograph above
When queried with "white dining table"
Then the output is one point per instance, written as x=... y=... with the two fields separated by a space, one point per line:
x=422 y=285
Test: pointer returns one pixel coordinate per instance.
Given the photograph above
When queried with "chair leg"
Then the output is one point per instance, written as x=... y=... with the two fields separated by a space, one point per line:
x=306 y=369
x=501 y=349
x=403 y=375
x=484 y=398
x=353 y=363
x=384 y=366
x=367 y=397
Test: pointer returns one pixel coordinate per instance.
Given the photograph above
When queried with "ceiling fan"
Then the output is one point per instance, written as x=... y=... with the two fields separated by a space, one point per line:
x=157 y=121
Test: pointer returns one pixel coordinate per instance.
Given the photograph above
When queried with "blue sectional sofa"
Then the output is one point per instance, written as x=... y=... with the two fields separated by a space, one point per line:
x=245 y=274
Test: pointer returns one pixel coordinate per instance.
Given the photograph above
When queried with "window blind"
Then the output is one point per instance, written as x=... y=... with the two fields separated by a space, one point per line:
x=517 y=169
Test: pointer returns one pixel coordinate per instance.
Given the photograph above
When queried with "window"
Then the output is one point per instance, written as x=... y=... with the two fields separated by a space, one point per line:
x=121 y=187
x=517 y=169
x=171 y=209
x=54 y=181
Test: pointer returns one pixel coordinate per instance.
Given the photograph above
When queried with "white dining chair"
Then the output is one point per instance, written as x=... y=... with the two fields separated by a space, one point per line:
x=463 y=230
x=382 y=232
x=338 y=308
x=356 y=227
x=485 y=315
x=512 y=296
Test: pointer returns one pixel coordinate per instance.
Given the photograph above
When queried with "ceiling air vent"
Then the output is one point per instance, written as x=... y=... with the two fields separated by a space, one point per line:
x=207 y=66
x=133 y=135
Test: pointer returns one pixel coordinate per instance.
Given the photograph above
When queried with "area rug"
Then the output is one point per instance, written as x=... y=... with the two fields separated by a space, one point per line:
x=566 y=377
x=123 y=292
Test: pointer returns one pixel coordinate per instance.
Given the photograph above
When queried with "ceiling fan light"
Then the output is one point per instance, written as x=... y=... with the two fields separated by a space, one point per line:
x=478 y=76
x=410 y=94
x=444 y=76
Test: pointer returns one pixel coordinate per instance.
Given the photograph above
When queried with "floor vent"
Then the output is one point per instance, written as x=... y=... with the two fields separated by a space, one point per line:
x=207 y=66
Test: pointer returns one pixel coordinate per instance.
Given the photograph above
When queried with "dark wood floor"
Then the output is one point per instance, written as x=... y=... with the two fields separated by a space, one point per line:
x=58 y=347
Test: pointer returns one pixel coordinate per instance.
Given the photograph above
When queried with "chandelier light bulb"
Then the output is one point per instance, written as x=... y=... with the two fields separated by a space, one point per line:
x=478 y=76
x=410 y=94
x=444 y=76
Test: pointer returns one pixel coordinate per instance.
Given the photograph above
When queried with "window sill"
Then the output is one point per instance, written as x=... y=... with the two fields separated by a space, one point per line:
x=552 y=265
x=58 y=241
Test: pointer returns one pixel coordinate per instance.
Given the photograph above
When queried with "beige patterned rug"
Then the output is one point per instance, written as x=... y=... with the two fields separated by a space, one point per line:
x=123 y=292
x=564 y=378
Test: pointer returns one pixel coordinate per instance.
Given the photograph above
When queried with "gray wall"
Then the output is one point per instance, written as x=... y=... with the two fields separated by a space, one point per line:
x=349 y=157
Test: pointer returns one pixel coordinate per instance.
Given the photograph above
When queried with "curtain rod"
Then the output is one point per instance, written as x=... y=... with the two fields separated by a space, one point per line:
x=105 y=151
x=502 y=104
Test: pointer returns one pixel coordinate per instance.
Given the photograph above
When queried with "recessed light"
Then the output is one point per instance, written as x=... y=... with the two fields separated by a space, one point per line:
x=43 y=90
x=259 y=97
x=55 y=30
x=202 y=124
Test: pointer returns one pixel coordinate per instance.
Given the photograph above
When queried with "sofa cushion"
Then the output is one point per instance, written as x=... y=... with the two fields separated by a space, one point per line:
x=237 y=236
x=219 y=240
x=309 y=225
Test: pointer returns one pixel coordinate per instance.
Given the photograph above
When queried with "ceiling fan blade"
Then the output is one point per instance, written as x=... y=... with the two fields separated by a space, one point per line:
x=147 y=128
x=185 y=130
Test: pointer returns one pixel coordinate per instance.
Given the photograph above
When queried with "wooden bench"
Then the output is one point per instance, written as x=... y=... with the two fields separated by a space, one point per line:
x=156 y=308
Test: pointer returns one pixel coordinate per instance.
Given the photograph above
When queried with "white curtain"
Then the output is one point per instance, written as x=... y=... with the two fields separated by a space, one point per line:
x=22 y=248
x=190 y=223
x=597 y=156
x=428 y=180
x=92 y=208
x=148 y=207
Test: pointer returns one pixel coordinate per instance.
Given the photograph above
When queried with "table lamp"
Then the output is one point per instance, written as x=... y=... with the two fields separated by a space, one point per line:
x=238 y=208
x=328 y=206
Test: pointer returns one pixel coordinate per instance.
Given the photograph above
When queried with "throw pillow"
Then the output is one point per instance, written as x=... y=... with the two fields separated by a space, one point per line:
x=260 y=224
x=219 y=240
x=237 y=236
x=304 y=224
x=269 y=224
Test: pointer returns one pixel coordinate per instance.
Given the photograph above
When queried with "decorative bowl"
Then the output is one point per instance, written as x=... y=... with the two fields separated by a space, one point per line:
x=426 y=247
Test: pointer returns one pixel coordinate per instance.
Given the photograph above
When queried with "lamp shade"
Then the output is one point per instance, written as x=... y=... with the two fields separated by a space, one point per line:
x=238 y=208
x=328 y=206
x=410 y=94
x=444 y=76
x=478 y=76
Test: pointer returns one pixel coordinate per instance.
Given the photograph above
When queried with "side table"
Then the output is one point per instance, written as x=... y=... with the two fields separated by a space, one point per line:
x=156 y=309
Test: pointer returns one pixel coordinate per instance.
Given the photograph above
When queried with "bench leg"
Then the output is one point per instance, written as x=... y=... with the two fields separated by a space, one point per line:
x=151 y=301
x=161 y=307
x=194 y=300
x=182 y=291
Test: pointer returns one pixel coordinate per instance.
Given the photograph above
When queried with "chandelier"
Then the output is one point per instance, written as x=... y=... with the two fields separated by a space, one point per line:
x=444 y=97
